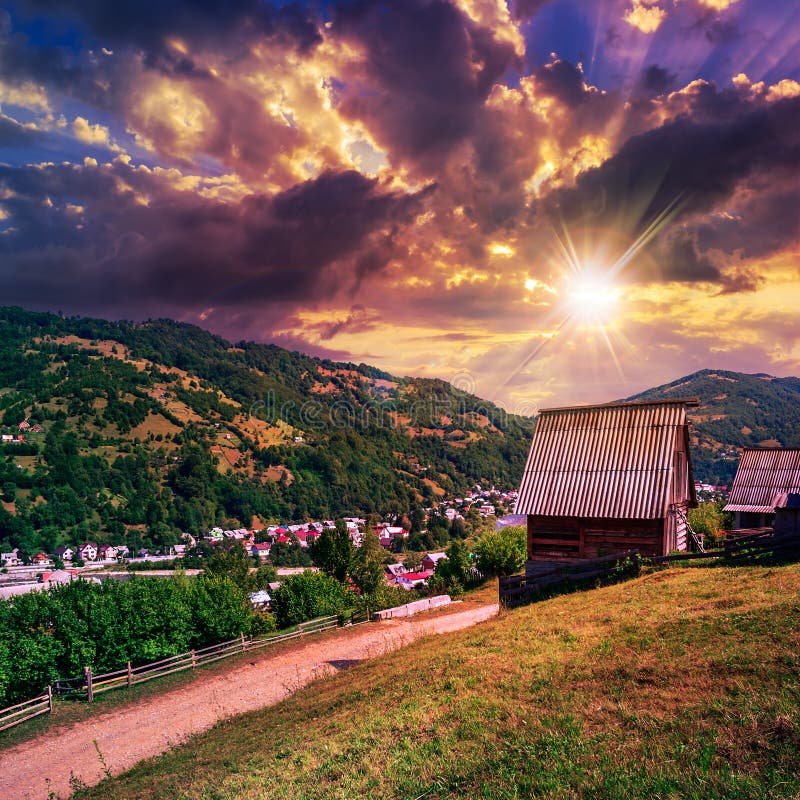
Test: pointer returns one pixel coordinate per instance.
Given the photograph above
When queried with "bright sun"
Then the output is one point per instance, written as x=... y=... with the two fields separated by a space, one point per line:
x=592 y=299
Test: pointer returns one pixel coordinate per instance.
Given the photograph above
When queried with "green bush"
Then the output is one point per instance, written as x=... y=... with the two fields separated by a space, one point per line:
x=56 y=633
x=709 y=520
x=309 y=595
x=502 y=552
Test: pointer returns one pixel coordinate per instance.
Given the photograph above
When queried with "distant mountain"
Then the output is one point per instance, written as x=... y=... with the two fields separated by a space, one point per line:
x=146 y=430
x=736 y=410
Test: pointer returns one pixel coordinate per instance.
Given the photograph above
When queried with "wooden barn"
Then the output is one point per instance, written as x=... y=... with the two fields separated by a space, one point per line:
x=605 y=479
x=766 y=489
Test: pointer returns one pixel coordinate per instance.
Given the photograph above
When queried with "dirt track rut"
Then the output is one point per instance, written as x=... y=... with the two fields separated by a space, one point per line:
x=125 y=736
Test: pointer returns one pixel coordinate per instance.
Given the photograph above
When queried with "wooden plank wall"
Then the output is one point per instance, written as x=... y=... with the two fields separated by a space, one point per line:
x=558 y=538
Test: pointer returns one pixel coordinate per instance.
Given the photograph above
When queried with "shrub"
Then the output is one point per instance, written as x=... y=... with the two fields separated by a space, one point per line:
x=309 y=595
x=502 y=552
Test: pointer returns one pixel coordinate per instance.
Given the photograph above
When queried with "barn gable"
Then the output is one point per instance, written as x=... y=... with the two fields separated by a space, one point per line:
x=608 y=478
x=611 y=461
x=763 y=474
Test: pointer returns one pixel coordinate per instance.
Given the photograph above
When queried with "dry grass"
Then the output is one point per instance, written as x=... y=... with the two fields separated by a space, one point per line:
x=155 y=425
x=680 y=684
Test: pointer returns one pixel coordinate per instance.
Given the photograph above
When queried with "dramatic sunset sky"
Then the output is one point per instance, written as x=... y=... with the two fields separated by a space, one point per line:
x=546 y=202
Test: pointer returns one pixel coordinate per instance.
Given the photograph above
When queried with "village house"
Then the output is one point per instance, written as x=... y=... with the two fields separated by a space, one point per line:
x=41 y=559
x=261 y=550
x=260 y=599
x=10 y=559
x=410 y=580
x=390 y=531
x=57 y=577
x=395 y=570
x=65 y=552
x=87 y=551
x=606 y=479
x=766 y=489
x=107 y=552
x=430 y=560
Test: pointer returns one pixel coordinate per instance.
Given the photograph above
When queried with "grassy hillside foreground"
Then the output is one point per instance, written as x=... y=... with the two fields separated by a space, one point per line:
x=678 y=684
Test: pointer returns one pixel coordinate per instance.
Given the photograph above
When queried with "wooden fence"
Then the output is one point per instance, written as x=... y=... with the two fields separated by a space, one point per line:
x=763 y=546
x=22 y=712
x=520 y=589
x=92 y=685
x=89 y=684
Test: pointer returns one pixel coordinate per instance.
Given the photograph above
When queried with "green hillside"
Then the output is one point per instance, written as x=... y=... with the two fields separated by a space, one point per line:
x=678 y=684
x=142 y=431
x=736 y=410
x=156 y=428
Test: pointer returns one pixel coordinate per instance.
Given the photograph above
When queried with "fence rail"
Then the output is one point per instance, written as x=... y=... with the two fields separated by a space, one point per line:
x=90 y=684
x=519 y=589
x=22 y=712
x=761 y=546
x=764 y=545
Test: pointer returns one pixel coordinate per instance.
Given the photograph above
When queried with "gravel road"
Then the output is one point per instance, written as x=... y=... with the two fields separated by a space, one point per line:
x=125 y=736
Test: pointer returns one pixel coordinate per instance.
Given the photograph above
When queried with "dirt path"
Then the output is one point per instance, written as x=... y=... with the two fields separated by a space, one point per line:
x=34 y=769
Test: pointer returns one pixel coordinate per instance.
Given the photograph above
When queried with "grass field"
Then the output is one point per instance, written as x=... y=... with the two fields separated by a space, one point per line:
x=679 y=684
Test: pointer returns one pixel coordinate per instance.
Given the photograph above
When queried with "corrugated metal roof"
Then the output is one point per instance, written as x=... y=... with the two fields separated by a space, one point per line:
x=610 y=461
x=764 y=474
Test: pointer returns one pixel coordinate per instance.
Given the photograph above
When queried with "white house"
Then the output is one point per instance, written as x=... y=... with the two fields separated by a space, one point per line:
x=411 y=579
x=261 y=550
x=87 y=551
x=430 y=561
x=10 y=559
x=107 y=552
x=65 y=553
x=260 y=599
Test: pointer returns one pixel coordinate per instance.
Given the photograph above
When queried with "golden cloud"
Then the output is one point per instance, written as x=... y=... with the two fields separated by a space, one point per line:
x=97 y=135
x=645 y=15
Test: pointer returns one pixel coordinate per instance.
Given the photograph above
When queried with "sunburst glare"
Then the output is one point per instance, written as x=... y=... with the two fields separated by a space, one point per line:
x=592 y=299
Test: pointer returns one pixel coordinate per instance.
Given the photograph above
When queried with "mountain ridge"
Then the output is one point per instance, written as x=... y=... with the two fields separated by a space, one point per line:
x=736 y=410
x=154 y=428
x=151 y=429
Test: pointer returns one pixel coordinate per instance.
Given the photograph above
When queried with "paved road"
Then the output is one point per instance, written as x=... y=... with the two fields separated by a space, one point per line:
x=34 y=769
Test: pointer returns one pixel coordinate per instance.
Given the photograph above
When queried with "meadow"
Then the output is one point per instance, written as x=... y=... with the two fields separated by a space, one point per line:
x=681 y=683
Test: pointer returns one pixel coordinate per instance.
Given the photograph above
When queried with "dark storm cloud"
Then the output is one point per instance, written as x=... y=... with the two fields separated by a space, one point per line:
x=699 y=164
x=657 y=80
x=12 y=134
x=147 y=23
x=65 y=69
x=681 y=261
x=762 y=224
x=527 y=9
x=427 y=71
x=562 y=80
x=117 y=236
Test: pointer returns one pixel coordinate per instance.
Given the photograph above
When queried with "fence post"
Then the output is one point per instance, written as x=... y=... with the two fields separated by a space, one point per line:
x=49 y=699
x=241 y=635
x=194 y=659
x=130 y=675
x=89 y=692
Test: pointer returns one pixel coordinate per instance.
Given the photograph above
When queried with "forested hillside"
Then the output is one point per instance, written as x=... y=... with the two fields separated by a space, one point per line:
x=736 y=410
x=135 y=433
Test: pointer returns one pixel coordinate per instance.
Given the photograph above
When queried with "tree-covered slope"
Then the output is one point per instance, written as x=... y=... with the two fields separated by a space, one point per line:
x=156 y=428
x=736 y=410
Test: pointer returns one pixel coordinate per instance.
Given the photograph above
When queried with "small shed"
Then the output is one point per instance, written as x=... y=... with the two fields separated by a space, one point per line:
x=609 y=478
x=765 y=488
